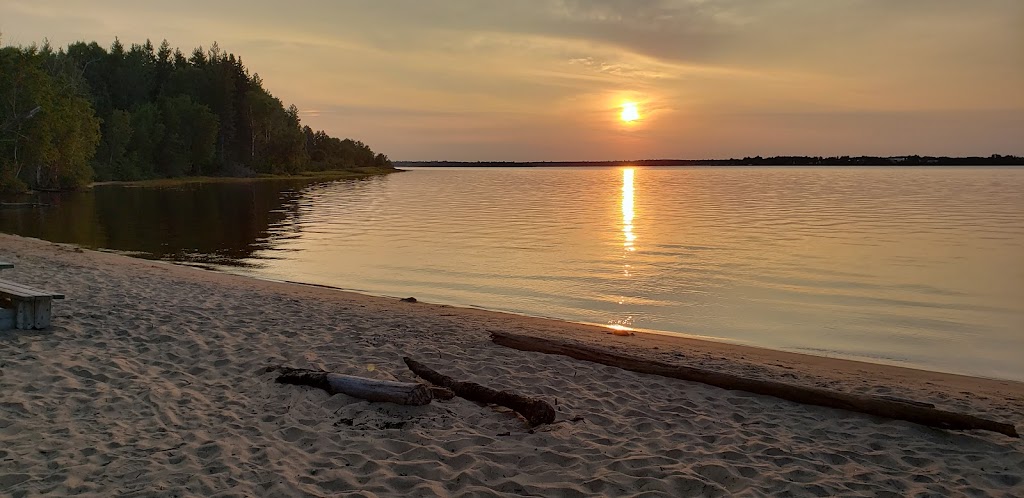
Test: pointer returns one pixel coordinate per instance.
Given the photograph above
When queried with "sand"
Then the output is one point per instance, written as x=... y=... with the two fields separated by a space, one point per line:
x=152 y=382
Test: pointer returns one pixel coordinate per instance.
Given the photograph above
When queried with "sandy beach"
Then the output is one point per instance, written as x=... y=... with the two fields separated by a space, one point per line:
x=152 y=382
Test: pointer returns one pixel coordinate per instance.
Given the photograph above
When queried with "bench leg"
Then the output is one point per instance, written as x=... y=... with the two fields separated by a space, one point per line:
x=43 y=309
x=6 y=318
x=32 y=313
x=22 y=313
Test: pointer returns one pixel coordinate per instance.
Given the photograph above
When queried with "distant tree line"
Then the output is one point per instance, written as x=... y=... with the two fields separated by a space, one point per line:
x=993 y=160
x=85 y=113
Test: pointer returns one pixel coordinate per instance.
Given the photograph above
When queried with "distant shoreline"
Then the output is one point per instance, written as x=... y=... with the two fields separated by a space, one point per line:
x=993 y=160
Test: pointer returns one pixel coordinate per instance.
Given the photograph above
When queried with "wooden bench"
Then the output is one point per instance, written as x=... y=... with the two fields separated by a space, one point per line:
x=24 y=307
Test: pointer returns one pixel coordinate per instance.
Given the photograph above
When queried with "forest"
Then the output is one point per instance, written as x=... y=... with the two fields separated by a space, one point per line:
x=84 y=113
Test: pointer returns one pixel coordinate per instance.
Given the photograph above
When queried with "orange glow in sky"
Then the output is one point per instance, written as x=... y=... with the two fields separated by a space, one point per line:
x=551 y=80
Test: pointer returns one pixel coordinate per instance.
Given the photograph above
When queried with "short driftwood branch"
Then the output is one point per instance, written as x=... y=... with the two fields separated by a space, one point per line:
x=402 y=393
x=535 y=411
x=919 y=413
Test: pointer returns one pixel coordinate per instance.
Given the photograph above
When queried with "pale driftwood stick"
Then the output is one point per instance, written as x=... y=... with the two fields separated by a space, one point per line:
x=915 y=412
x=402 y=393
x=535 y=411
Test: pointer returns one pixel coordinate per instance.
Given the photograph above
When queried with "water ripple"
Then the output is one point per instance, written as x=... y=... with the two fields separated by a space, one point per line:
x=920 y=267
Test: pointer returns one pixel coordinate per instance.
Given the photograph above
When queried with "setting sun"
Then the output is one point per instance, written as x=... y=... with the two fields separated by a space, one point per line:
x=630 y=112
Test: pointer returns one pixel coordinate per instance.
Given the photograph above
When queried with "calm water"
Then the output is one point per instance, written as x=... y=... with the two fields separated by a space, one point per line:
x=919 y=267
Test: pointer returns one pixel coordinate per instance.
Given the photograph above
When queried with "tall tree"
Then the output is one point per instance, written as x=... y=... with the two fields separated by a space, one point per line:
x=48 y=132
x=144 y=147
x=189 y=137
x=164 y=66
x=112 y=155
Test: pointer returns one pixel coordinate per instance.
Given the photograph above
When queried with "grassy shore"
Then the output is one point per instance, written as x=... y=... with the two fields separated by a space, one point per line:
x=305 y=175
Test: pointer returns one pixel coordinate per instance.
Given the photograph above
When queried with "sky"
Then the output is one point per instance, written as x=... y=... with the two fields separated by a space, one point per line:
x=531 y=80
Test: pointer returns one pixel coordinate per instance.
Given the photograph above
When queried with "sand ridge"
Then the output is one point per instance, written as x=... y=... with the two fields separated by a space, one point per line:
x=152 y=382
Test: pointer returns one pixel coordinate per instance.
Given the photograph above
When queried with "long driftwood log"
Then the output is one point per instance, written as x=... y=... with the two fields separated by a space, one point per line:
x=919 y=413
x=535 y=411
x=402 y=393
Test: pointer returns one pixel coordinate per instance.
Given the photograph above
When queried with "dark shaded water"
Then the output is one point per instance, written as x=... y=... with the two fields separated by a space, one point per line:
x=915 y=266
x=212 y=223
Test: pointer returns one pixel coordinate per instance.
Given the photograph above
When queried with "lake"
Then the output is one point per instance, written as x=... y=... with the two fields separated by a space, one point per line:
x=920 y=267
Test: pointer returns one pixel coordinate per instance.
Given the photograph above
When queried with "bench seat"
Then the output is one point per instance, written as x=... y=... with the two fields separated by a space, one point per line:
x=25 y=307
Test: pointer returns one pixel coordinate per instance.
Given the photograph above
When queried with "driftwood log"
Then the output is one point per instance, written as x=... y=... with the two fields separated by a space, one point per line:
x=402 y=393
x=911 y=411
x=535 y=411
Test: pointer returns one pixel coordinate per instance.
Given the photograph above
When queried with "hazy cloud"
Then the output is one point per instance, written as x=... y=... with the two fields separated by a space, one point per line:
x=423 y=79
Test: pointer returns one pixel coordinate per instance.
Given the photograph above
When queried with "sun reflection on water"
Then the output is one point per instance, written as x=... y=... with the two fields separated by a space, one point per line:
x=627 y=210
x=623 y=326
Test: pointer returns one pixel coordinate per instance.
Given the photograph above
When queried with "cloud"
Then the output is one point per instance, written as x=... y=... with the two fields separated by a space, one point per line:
x=713 y=75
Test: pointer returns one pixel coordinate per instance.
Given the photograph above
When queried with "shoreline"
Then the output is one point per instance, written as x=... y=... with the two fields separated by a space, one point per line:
x=650 y=338
x=855 y=363
x=644 y=342
x=328 y=175
x=151 y=380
